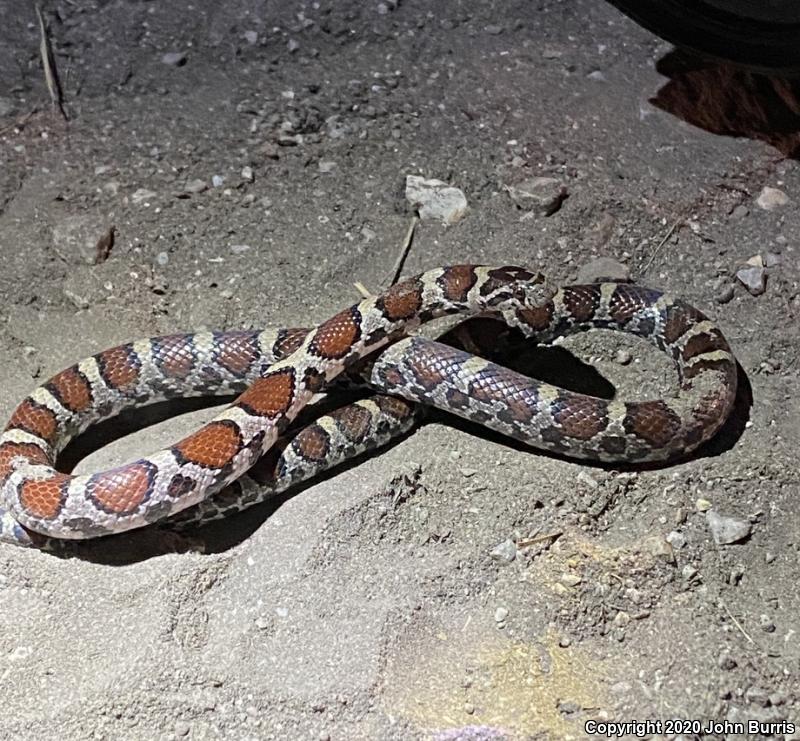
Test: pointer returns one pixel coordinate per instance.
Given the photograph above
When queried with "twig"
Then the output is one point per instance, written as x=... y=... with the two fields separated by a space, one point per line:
x=736 y=622
x=404 y=248
x=662 y=243
x=362 y=289
x=49 y=65
x=525 y=543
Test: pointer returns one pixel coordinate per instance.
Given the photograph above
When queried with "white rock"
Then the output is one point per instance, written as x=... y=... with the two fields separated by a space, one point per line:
x=504 y=552
x=726 y=530
x=142 y=195
x=174 y=58
x=435 y=200
x=753 y=278
x=772 y=198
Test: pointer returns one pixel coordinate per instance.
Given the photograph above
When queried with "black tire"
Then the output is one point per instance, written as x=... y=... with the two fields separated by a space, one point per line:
x=753 y=33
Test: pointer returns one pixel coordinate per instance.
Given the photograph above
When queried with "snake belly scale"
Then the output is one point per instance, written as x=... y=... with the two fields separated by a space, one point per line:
x=276 y=374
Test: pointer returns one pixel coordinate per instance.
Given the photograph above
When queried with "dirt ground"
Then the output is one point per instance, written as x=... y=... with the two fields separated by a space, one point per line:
x=369 y=605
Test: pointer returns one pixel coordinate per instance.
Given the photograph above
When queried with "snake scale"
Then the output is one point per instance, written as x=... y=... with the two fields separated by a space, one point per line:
x=241 y=456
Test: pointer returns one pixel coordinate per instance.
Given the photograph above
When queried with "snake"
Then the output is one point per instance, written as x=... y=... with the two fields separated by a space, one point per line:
x=246 y=452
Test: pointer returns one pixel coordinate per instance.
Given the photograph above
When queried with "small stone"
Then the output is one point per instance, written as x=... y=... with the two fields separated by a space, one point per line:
x=239 y=249
x=570 y=580
x=757 y=696
x=688 y=572
x=621 y=619
x=550 y=52
x=504 y=552
x=182 y=728
x=282 y=612
x=217 y=181
x=657 y=546
x=174 y=58
x=195 y=186
x=142 y=195
x=326 y=166
x=724 y=293
x=587 y=480
x=702 y=505
x=769 y=557
x=740 y=211
x=435 y=200
x=727 y=530
x=469 y=708
x=500 y=614
x=623 y=357
x=263 y=623
x=292 y=46
x=726 y=662
x=765 y=621
x=251 y=37
x=541 y=195
x=772 y=198
x=772 y=259
x=162 y=258
x=676 y=539
x=604 y=269
x=597 y=75
x=247 y=174
x=753 y=278
x=493 y=29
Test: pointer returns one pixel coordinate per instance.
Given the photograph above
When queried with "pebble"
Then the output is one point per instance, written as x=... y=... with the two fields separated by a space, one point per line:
x=676 y=539
x=757 y=696
x=504 y=552
x=587 y=480
x=75 y=237
x=142 y=195
x=604 y=269
x=198 y=185
x=217 y=181
x=436 y=200
x=251 y=37
x=765 y=621
x=726 y=662
x=657 y=546
x=500 y=614
x=753 y=278
x=771 y=198
x=541 y=195
x=182 y=728
x=263 y=623
x=724 y=293
x=702 y=505
x=727 y=530
x=493 y=29
x=239 y=249
x=174 y=58
x=623 y=357
x=740 y=211
x=688 y=572
x=162 y=258
x=325 y=166
x=247 y=174
x=570 y=580
x=772 y=259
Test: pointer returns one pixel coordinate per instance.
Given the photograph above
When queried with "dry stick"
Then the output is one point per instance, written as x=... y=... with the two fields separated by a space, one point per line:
x=736 y=622
x=404 y=248
x=661 y=244
x=398 y=263
x=49 y=65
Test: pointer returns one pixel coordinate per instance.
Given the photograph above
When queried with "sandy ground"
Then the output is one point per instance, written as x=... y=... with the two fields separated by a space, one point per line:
x=368 y=606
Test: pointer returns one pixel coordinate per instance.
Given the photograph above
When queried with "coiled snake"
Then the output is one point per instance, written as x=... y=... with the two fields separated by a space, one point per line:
x=278 y=373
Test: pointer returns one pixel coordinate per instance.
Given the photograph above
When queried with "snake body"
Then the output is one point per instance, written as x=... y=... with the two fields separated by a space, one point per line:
x=276 y=373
